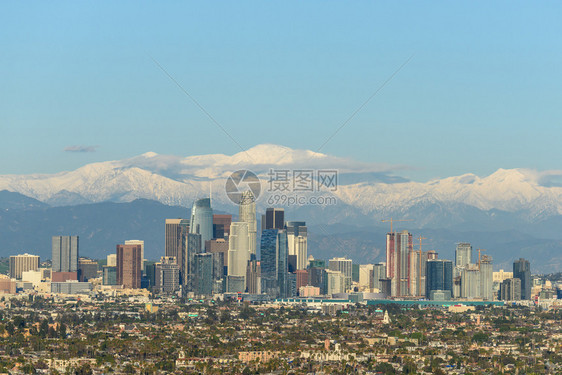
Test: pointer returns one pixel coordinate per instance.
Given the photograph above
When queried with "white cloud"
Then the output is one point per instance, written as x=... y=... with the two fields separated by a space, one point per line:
x=259 y=159
x=76 y=148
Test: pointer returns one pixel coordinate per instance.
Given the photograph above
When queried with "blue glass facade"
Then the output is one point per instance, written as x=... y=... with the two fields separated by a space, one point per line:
x=439 y=276
x=522 y=271
x=274 y=262
x=192 y=247
x=283 y=265
x=202 y=219
x=268 y=254
x=204 y=274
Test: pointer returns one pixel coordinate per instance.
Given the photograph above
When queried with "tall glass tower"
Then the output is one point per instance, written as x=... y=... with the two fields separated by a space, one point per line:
x=439 y=276
x=204 y=273
x=268 y=255
x=274 y=262
x=283 y=264
x=202 y=219
x=522 y=271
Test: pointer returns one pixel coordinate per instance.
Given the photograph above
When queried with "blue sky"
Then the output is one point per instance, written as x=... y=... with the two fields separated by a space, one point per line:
x=481 y=92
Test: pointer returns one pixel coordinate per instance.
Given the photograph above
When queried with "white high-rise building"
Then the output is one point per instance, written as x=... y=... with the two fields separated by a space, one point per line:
x=415 y=273
x=502 y=275
x=365 y=273
x=345 y=266
x=301 y=249
x=379 y=272
x=297 y=242
x=112 y=260
x=22 y=263
x=238 y=250
x=470 y=282
x=463 y=254
x=247 y=214
x=334 y=282
x=486 y=278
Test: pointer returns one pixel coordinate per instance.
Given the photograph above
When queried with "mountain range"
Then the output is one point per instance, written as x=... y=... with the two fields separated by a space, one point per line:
x=511 y=213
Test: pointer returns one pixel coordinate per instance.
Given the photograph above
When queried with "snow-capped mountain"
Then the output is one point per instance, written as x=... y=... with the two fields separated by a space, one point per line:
x=175 y=180
x=506 y=190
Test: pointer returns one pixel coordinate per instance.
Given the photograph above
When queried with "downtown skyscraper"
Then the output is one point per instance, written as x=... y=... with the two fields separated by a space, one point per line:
x=167 y=275
x=398 y=248
x=463 y=254
x=129 y=266
x=21 y=263
x=522 y=271
x=247 y=214
x=202 y=219
x=274 y=218
x=274 y=263
x=65 y=253
x=439 y=279
x=175 y=233
x=238 y=254
x=297 y=240
x=187 y=269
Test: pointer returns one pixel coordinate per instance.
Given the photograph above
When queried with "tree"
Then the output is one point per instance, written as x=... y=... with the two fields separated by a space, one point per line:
x=44 y=328
x=10 y=328
x=83 y=370
x=225 y=316
x=62 y=331
x=19 y=322
x=480 y=337
x=28 y=369
x=385 y=368
x=211 y=315
x=247 y=312
x=409 y=368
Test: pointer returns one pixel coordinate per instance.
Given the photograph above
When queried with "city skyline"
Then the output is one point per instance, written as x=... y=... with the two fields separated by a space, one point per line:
x=175 y=231
x=469 y=281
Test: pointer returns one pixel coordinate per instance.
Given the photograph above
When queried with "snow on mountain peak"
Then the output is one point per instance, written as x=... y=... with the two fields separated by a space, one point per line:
x=176 y=180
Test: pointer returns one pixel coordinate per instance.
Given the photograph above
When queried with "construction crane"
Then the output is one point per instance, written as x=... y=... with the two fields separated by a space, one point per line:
x=480 y=257
x=420 y=238
x=391 y=220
